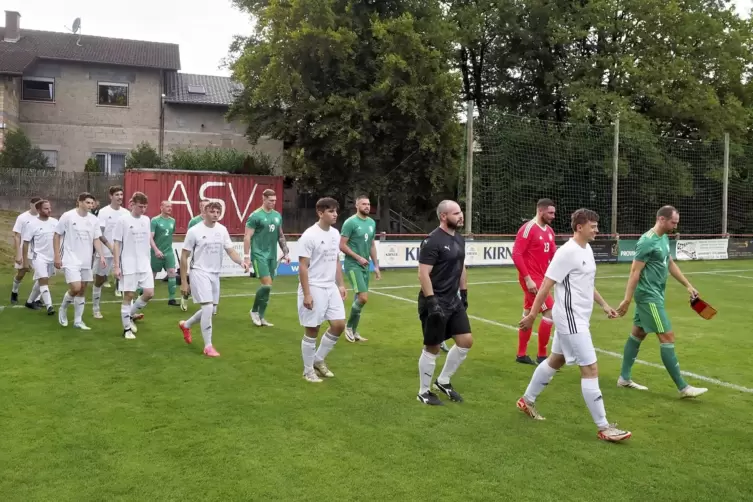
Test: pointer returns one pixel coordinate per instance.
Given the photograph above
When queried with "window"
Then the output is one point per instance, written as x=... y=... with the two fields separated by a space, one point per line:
x=52 y=158
x=196 y=89
x=111 y=163
x=112 y=94
x=38 y=89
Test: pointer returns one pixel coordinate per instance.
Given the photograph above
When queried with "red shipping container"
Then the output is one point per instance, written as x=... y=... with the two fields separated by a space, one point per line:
x=239 y=194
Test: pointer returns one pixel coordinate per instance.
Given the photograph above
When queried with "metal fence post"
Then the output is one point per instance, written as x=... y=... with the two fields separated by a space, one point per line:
x=469 y=169
x=725 y=184
x=615 y=173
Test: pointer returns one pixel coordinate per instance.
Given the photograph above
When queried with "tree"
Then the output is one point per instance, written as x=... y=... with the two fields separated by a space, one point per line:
x=219 y=159
x=361 y=91
x=143 y=156
x=19 y=153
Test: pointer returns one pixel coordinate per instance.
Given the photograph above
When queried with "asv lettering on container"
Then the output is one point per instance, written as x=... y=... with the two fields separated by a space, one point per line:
x=186 y=201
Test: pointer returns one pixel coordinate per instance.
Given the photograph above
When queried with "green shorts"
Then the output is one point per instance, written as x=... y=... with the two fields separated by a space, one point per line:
x=264 y=267
x=165 y=263
x=359 y=279
x=652 y=318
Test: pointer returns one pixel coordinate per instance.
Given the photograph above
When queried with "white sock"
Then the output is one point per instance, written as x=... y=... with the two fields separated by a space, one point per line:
x=455 y=358
x=137 y=305
x=194 y=319
x=34 y=292
x=308 y=351
x=594 y=401
x=540 y=379
x=67 y=300
x=125 y=316
x=44 y=292
x=16 y=285
x=325 y=346
x=96 y=297
x=206 y=324
x=214 y=309
x=426 y=364
x=78 y=309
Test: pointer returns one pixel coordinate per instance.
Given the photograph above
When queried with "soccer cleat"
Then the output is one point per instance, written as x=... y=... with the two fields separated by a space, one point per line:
x=691 y=391
x=133 y=327
x=14 y=298
x=107 y=285
x=118 y=293
x=613 y=434
x=137 y=317
x=322 y=370
x=97 y=315
x=255 y=318
x=32 y=306
x=81 y=326
x=63 y=317
x=211 y=352
x=39 y=303
x=444 y=347
x=359 y=338
x=430 y=398
x=524 y=360
x=186 y=331
x=540 y=359
x=312 y=377
x=529 y=409
x=128 y=335
x=350 y=335
x=266 y=323
x=50 y=311
x=172 y=303
x=629 y=384
x=449 y=391
x=184 y=304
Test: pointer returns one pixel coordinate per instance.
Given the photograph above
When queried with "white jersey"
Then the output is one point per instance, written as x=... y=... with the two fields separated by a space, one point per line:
x=573 y=268
x=134 y=235
x=108 y=217
x=39 y=234
x=207 y=246
x=78 y=234
x=21 y=222
x=322 y=248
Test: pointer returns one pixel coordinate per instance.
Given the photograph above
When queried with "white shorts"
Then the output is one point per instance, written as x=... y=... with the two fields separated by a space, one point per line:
x=205 y=287
x=577 y=348
x=77 y=274
x=43 y=269
x=328 y=306
x=97 y=267
x=132 y=282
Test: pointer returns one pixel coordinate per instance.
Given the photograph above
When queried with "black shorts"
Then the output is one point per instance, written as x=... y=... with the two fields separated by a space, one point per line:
x=455 y=322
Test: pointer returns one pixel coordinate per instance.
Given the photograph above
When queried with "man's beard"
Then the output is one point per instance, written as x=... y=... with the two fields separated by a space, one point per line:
x=453 y=225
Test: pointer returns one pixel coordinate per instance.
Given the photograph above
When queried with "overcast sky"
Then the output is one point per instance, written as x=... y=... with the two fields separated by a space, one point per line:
x=203 y=28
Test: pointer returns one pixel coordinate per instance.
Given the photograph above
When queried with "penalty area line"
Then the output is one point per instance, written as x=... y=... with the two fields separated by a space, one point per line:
x=601 y=351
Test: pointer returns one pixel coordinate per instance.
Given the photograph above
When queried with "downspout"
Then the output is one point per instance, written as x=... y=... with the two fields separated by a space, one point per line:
x=162 y=115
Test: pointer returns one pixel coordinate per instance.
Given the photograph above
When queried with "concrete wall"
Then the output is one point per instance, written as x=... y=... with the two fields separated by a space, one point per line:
x=9 y=104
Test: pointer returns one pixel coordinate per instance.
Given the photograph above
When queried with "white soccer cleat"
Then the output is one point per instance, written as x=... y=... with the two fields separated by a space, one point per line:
x=322 y=369
x=255 y=318
x=359 y=338
x=128 y=335
x=266 y=323
x=118 y=293
x=97 y=315
x=63 y=317
x=613 y=434
x=350 y=335
x=134 y=329
x=629 y=384
x=691 y=391
x=312 y=377
x=82 y=326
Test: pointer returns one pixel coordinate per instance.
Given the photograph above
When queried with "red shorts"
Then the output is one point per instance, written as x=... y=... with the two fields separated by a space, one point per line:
x=528 y=297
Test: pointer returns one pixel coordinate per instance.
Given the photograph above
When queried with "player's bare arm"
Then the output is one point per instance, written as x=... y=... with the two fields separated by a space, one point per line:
x=424 y=277
x=518 y=259
x=635 y=274
x=283 y=245
x=375 y=260
x=340 y=281
x=116 y=247
x=25 y=256
x=17 y=244
x=233 y=254
x=303 y=274
x=56 y=249
x=154 y=247
x=546 y=287
x=611 y=313
x=98 y=246
x=675 y=271
x=105 y=242
x=247 y=236
x=345 y=249
x=184 y=287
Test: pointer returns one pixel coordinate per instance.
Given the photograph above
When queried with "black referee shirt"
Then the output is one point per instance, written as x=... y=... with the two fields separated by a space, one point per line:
x=446 y=253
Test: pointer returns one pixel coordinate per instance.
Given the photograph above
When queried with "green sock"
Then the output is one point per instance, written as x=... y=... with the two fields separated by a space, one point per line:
x=263 y=295
x=255 y=308
x=669 y=359
x=632 y=346
x=355 y=314
x=171 y=287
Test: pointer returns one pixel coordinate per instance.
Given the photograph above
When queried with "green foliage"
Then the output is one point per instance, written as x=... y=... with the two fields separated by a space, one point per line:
x=219 y=159
x=92 y=166
x=19 y=153
x=144 y=156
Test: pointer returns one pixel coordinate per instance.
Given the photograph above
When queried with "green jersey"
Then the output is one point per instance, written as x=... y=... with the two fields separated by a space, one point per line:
x=193 y=221
x=360 y=233
x=654 y=252
x=266 y=227
x=163 y=229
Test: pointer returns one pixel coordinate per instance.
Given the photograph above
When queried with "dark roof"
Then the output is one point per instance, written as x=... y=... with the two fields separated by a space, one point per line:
x=16 y=56
x=218 y=91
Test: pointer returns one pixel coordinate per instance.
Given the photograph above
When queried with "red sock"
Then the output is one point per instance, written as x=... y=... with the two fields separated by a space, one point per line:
x=523 y=337
x=545 y=331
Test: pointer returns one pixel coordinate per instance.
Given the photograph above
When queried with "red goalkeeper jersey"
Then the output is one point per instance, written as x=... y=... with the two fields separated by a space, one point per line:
x=533 y=251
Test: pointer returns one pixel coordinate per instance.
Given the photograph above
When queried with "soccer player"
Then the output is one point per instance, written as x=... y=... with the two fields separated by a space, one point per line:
x=108 y=217
x=131 y=264
x=532 y=252
x=199 y=217
x=205 y=242
x=648 y=281
x=573 y=270
x=39 y=255
x=77 y=231
x=161 y=243
x=263 y=234
x=357 y=242
x=18 y=229
x=321 y=290
x=442 y=303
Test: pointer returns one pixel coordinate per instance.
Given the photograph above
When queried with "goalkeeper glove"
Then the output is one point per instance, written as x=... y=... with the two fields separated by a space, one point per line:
x=464 y=298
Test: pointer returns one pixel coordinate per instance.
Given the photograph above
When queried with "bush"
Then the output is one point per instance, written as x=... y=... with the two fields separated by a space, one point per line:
x=144 y=156
x=220 y=159
x=19 y=153
x=91 y=166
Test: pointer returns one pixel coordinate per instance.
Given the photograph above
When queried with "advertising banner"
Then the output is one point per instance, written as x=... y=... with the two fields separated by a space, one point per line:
x=740 y=248
x=404 y=254
x=706 y=249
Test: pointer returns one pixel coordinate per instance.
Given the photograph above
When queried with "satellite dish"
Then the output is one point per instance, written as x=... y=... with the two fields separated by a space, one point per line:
x=76 y=25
